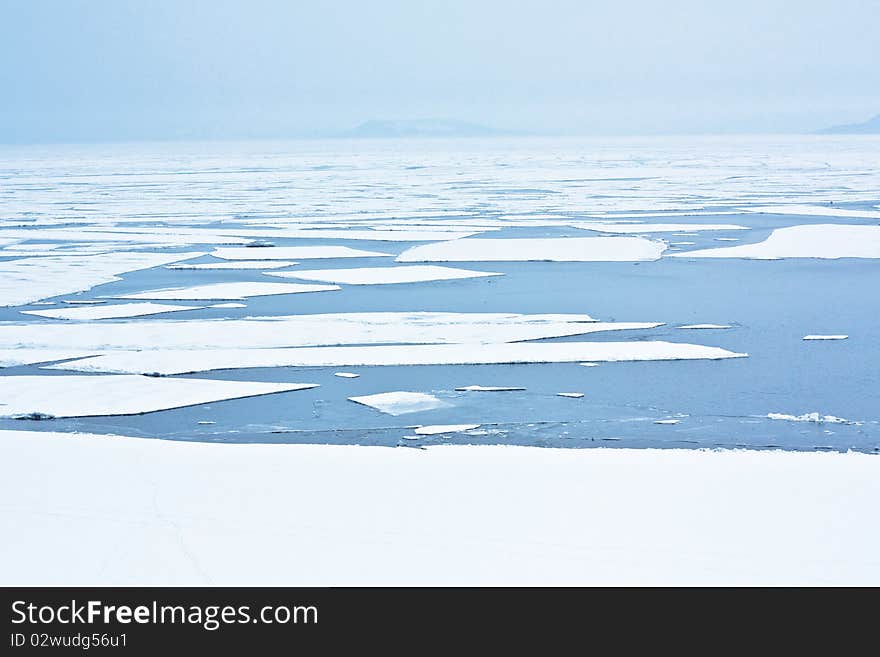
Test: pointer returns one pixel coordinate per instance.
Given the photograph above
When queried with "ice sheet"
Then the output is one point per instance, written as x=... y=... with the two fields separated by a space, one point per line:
x=815 y=210
x=826 y=241
x=400 y=402
x=110 y=311
x=384 y=275
x=650 y=228
x=81 y=396
x=561 y=249
x=15 y=357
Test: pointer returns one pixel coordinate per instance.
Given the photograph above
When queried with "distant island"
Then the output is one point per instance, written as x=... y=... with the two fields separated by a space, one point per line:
x=869 y=127
x=421 y=128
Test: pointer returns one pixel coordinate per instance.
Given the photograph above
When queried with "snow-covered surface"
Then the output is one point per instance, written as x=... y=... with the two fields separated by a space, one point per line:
x=571 y=395
x=115 y=311
x=401 y=402
x=562 y=249
x=309 y=330
x=178 y=361
x=439 y=429
x=650 y=228
x=81 y=396
x=384 y=275
x=477 y=388
x=241 y=290
x=826 y=241
x=14 y=357
x=704 y=326
x=31 y=279
x=825 y=337
x=151 y=512
x=814 y=417
x=238 y=264
x=293 y=253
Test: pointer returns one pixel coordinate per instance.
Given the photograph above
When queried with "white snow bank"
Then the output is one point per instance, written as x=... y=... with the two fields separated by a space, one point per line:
x=240 y=264
x=201 y=360
x=81 y=396
x=827 y=241
x=809 y=417
x=109 y=312
x=31 y=279
x=400 y=402
x=308 y=330
x=153 y=512
x=293 y=253
x=240 y=290
x=438 y=429
x=558 y=249
x=384 y=275
x=825 y=337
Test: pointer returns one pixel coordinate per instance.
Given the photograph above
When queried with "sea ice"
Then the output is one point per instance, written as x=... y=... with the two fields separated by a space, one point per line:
x=488 y=389
x=825 y=337
x=240 y=290
x=110 y=312
x=294 y=253
x=705 y=326
x=669 y=421
x=15 y=357
x=814 y=417
x=239 y=264
x=815 y=210
x=650 y=228
x=346 y=375
x=436 y=429
x=401 y=403
x=384 y=275
x=556 y=249
x=81 y=396
x=572 y=395
x=826 y=241
x=228 y=305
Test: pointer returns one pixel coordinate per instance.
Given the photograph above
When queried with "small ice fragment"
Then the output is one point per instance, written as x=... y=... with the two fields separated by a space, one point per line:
x=83 y=301
x=588 y=364
x=705 y=326
x=228 y=305
x=206 y=422
x=573 y=395
x=669 y=421
x=825 y=337
x=400 y=402
x=411 y=437
x=346 y=375
x=727 y=239
x=434 y=429
x=809 y=417
x=487 y=389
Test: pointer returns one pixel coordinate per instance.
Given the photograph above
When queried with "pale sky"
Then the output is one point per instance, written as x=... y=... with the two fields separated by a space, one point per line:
x=81 y=70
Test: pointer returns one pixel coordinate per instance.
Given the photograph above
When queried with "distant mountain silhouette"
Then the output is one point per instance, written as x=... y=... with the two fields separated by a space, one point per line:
x=421 y=128
x=869 y=127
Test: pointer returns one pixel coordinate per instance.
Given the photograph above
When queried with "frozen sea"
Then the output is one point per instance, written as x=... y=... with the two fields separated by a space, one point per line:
x=66 y=211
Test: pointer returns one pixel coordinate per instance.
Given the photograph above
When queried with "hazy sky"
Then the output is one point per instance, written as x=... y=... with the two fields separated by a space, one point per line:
x=124 y=69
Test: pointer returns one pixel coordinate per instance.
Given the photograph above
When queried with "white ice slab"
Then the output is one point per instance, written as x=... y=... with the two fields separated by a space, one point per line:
x=669 y=421
x=825 y=337
x=571 y=395
x=346 y=375
x=195 y=360
x=242 y=290
x=15 y=357
x=31 y=279
x=115 y=311
x=814 y=417
x=438 y=429
x=307 y=330
x=484 y=515
x=294 y=253
x=228 y=305
x=826 y=241
x=556 y=249
x=384 y=275
x=81 y=396
x=476 y=388
x=704 y=326
x=401 y=403
x=650 y=228
x=240 y=264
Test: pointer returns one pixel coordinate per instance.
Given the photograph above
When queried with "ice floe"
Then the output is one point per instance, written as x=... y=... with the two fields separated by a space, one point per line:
x=826 y=241
x=384 y=275
x=561 y=249
x=815 y=417
x=169 y=361
x=346 y=375
x=704 y=326
x=83 y=302
x=815 y=210
x=825 y=337
x=308 y=330
x=82 y=396
x=438 y=429
x=476 y=388
x=31 y=279
x=228 y=305
x=600 y=227
x=239 y=264
x=295 y=253
x=571 y=395
x=668 y=421
x=239 y=290
x=400 y=402
x=15 y=357
x=116 y=311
